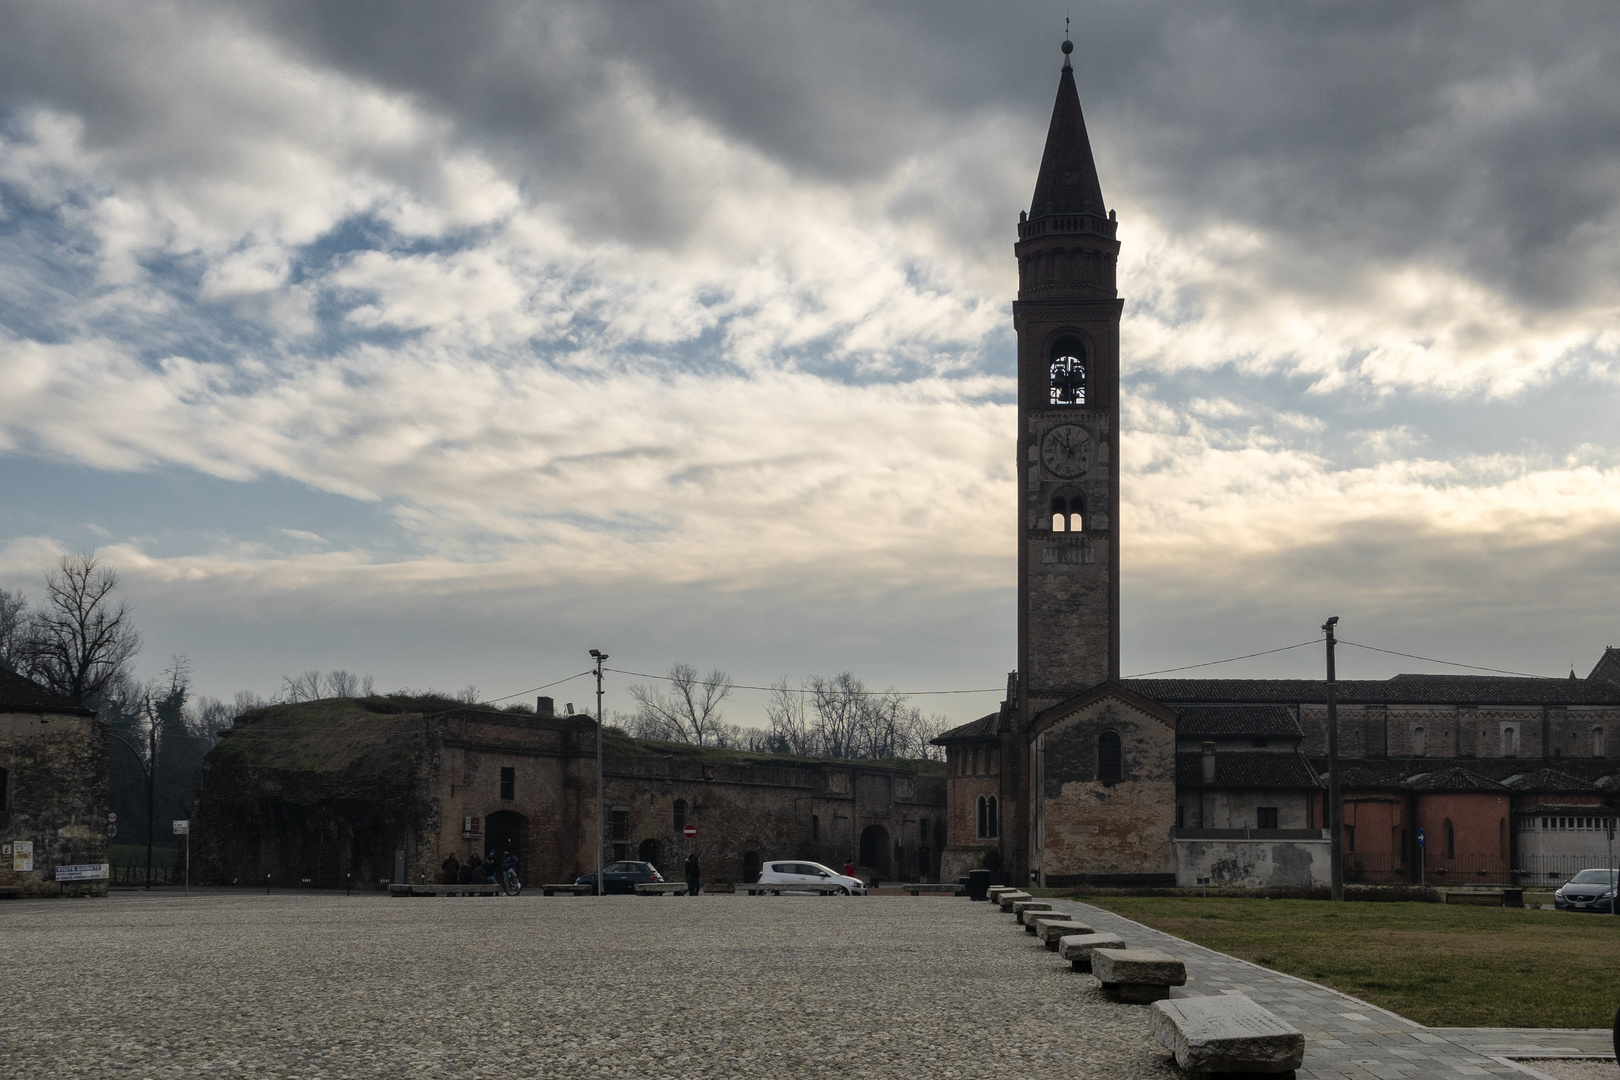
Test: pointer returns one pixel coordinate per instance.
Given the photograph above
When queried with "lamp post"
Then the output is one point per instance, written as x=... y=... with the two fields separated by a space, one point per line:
x=601 y=870
x=1335 y=812
x=150 y=773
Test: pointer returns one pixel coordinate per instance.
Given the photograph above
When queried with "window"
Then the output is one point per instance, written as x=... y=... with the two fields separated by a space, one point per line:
x=1108 y=758
x=680 y=814
x=1510 y=741
x=1068 y=373
x=1451 y=840
x=984 y=816
x=1419 y=744
x=1597 y=744
x=994 y=818
x=619 y=826
x=815 y=827
x=1266 y=818
x=508 y=781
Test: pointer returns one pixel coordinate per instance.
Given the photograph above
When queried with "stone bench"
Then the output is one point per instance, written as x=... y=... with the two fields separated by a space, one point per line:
x=917 y=890
x=778 y=888
x=1227 y=1033
x=1137 y=975
x=1006 y=900
x=994 y=892
x=1029 y=908
x=1050 y=930
x=443 y=890
x=1077 y=948
x=567 y=890
x=1480 y=898
x=661 y=888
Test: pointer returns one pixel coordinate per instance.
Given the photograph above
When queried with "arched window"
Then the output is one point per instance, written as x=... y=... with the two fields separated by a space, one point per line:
x=1502 y=839
x=993 y=818
x=984 y=816
x=1597 y=742
x=1420 y=746
x=1068 y=373
x=1508 y=742
x=680 y=814
x=1451 y=839
x=1109 y=766
x=1060 y=514
x=1077 y=514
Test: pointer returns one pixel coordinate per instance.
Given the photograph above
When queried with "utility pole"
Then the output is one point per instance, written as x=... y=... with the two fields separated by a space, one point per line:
x=1335 y=811
x=601 y=870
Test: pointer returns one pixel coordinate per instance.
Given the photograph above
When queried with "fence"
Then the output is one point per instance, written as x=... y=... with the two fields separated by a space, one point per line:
x=1553 y=869
x=1375 y=869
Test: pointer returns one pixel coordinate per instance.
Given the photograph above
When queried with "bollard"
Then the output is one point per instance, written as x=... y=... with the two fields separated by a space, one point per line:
x=348 y=883
x=267 y=884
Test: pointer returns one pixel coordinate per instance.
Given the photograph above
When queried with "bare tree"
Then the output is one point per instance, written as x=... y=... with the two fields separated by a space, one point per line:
x=790 y=729
x=13 y=630
x=341 y=684
x=368 y=686
x=304 y=687
x=689 y=713
x=468 y=694
x=78 y=641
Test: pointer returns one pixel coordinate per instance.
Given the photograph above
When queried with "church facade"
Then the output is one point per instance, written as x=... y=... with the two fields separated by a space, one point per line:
x=1082 y=777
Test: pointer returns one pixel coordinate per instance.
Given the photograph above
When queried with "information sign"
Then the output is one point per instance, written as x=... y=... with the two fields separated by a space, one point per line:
x=182 y=827
x=85 y=872
x=22 y=855
x=1420 y=838
x=689 y=832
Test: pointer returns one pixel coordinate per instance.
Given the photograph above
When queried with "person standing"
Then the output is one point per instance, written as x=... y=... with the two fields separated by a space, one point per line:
x=693 y=876
x=450 y=870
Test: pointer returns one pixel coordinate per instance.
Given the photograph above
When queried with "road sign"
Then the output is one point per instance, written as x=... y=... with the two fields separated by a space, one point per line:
x=111 y=817
x=689 y=832
x=182 y=827
x=1420 y=838
x=112 y=830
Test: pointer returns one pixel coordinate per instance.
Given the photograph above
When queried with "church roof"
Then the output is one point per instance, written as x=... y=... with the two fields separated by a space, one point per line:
x=1400 y=690
x=982 y=728
x=1067 y=182
x=21 y=694
x=1246 y=769
x=1608 y=665
x=1550 y=781
x=1237 y=721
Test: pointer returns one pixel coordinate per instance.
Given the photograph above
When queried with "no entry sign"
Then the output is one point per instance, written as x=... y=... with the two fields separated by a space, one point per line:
x=689 y=832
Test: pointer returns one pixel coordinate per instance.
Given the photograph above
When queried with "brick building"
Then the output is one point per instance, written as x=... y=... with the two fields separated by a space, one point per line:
x=383 y=789
x=1081 y=776
x=53 y=793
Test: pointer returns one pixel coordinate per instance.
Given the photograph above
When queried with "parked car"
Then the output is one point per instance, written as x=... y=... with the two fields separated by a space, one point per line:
x=799 y=872
x=1589 y=890
x=623 y=877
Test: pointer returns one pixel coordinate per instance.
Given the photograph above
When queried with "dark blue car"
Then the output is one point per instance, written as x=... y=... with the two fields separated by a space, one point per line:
x=623 y=877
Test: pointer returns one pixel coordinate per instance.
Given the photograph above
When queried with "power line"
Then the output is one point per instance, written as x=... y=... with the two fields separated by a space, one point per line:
x=1228 y=660
x=532 y=689
x=802 y=690
x=1450 y=663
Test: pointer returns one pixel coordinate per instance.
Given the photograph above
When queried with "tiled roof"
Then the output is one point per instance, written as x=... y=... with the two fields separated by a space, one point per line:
x=1246 y=769
x=982 y=728
x=1237 y=720
x=19 y=694
x=1550 y=781
x=1455 y=778
x=1401 y=690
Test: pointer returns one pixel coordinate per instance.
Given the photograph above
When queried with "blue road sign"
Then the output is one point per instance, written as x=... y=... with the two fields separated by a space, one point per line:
x=1420 y=838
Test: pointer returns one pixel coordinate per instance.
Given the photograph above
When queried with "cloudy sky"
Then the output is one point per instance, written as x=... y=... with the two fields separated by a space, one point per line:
x=445 y=342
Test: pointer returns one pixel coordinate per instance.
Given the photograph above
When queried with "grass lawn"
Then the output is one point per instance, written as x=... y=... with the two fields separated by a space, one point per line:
x=1443 y=966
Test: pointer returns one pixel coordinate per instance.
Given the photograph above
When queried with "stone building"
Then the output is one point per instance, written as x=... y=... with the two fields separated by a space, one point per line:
x=1081 y=776
x=383 y=789
x=53 y=794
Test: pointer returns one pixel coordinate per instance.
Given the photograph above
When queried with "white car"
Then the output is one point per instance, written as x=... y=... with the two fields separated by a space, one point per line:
x=799 y=872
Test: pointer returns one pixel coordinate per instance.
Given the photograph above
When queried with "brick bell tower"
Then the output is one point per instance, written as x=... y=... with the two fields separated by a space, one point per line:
x=1067 y=320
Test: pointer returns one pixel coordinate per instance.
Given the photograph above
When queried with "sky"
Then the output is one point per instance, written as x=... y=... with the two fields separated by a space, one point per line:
x=446 y=342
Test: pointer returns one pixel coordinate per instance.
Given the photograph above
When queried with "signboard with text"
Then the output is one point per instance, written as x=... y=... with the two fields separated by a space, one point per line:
x=84 y=872
x=182 y=827
x=22 y=855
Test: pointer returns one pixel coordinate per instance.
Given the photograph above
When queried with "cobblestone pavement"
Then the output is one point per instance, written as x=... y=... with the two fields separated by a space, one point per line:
x=1346 y=1038
x=321 y=985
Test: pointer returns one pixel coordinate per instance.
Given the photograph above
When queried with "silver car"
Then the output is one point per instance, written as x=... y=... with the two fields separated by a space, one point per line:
x=799 y=872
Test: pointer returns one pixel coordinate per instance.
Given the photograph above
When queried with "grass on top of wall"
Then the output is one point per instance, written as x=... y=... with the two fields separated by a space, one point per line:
x=1440 y=965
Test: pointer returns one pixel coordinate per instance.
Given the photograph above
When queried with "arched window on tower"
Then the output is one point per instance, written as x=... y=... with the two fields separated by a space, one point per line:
x=1109 y=766
x=1060 y=514
x=1068 y=373
x=1420 y=746
x=1077 y=514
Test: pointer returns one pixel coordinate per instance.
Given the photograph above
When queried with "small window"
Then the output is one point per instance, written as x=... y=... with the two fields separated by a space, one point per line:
x=1060 y=514
x=815 y=827
x=993 y=818
x=1451 y=840
x=680 y=814
x=1420 y=747
x=1109 y=766
x=620 y=826
x=984 y=816
x=1068 y=373
x=1266 y=818
x=508 y=782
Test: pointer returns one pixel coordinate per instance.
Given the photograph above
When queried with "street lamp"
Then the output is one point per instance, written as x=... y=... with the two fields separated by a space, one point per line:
x=601 y=871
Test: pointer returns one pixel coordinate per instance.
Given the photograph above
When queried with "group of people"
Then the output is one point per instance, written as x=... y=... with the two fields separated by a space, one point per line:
x=476 y=871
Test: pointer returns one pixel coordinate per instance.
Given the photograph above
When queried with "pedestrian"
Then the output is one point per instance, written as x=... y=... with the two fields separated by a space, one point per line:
x=509 y=875
x=450 y=870
x=469 y=873
x=849 y=868
x=694 y=880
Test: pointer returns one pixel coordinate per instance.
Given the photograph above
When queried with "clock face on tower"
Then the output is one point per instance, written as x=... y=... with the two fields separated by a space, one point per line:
x=1065 y=451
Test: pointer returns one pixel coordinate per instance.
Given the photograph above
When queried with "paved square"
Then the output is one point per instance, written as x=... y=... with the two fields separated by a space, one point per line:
x=322 y=985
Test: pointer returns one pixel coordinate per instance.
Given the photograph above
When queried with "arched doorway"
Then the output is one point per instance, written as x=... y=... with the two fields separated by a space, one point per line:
x=750 y=867
x=877 y=851
x=648 y=852
x=507 y=830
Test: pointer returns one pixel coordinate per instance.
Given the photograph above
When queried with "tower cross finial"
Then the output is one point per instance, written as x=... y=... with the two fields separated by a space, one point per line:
x=1068 y=46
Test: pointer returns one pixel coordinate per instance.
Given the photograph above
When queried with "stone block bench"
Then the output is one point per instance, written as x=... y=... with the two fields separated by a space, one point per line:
x=1137 y=975
x=994 y=892
x=1077 y=948
x=778 y=888
x=1049 y=931
x=443 y=890
x=1484 y=899
x=1006 y=900
x=567 y=890
x=917 y=890
x=1025 y=911
x=661 y=888
x=1227 y=1033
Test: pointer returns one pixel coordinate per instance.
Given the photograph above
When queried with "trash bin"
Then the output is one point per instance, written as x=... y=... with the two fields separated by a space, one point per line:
x=978 y=884
x=1513 y=898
